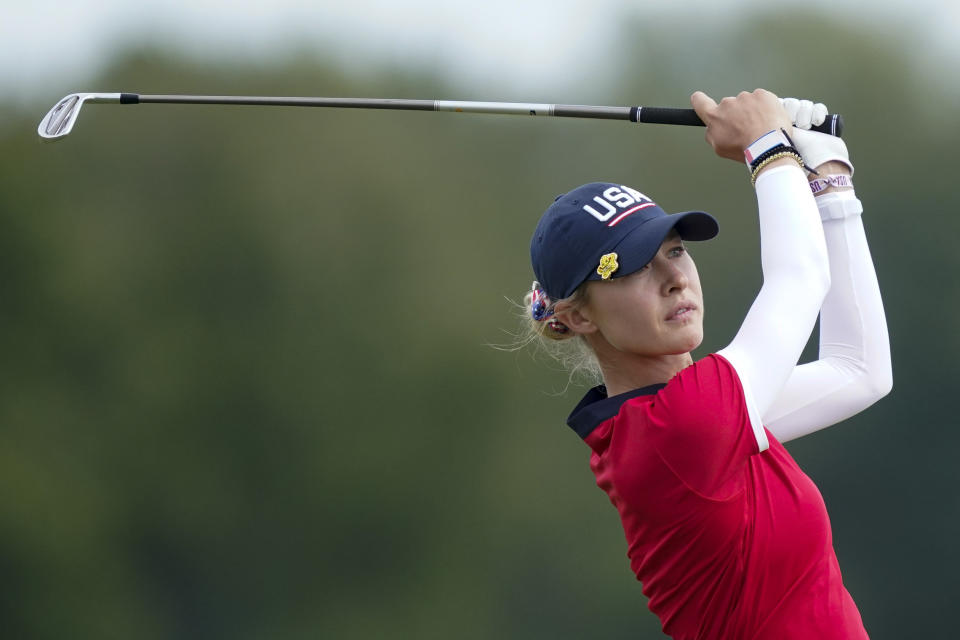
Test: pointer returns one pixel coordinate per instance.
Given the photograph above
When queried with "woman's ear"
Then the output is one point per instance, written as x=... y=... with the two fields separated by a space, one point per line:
x=576 y=318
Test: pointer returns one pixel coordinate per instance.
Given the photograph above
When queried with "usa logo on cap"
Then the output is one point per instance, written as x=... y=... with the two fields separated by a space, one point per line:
x=613 y=200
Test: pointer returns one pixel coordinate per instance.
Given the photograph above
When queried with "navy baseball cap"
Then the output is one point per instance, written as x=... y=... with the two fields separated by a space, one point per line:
x=602 y=230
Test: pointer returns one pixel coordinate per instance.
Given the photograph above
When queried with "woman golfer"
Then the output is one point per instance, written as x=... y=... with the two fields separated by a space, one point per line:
x=730 y=539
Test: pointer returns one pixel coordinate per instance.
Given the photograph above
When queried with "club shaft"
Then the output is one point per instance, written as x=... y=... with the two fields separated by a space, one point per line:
x=659 y=115
x=453 y=106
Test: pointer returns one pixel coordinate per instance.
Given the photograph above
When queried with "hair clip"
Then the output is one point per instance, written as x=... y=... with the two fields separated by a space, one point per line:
x=540 y=303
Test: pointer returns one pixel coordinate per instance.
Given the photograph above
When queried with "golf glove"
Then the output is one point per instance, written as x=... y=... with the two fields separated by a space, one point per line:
x=816 y=148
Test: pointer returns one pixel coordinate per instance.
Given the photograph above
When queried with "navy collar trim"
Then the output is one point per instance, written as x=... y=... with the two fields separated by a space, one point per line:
x=596 y=407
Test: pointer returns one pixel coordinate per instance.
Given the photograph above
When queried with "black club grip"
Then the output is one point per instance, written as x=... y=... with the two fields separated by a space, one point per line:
x=833 y=124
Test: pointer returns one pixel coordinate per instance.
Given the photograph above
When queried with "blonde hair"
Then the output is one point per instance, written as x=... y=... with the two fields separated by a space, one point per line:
x=567 y=348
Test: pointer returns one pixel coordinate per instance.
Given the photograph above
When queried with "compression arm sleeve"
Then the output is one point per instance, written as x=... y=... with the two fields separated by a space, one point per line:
x=853 y=370
x=796 y=278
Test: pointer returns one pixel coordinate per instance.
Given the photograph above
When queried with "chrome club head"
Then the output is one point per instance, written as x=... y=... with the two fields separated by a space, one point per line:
x=59 y=121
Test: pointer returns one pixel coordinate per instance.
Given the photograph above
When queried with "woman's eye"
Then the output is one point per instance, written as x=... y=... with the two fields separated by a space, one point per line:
x=678 y=251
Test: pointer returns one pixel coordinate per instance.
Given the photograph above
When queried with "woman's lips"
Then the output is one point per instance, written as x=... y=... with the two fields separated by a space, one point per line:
x=681 y=311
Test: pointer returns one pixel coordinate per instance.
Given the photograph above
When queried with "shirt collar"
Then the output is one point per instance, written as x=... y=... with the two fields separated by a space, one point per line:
x=596 y=407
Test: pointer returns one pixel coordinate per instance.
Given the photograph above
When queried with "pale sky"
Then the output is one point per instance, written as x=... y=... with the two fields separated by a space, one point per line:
x=49 y=48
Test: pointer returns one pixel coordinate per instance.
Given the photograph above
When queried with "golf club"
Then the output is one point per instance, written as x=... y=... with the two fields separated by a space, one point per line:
x=60 y=119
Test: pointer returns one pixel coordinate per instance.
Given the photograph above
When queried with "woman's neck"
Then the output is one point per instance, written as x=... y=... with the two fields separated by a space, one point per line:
x=624 y=372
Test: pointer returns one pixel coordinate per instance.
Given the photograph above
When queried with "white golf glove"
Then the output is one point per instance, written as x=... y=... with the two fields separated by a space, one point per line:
x=816 y=148
x=804 y=113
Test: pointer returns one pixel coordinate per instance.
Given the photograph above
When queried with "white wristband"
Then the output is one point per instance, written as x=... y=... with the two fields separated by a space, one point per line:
x=838 y=205
x=764 y=143
x=839 y=180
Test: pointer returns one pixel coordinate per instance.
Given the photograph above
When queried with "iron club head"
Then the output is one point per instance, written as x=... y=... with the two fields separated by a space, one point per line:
x=60 y=119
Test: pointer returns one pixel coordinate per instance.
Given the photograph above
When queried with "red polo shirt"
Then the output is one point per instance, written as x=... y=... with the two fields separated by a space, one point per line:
x=730 y=539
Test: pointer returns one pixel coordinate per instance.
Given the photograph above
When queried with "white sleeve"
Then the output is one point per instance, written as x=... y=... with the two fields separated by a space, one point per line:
x=796 y=278
x=853 y=370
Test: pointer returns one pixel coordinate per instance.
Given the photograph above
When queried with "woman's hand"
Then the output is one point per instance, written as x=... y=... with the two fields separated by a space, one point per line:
x=736 y=122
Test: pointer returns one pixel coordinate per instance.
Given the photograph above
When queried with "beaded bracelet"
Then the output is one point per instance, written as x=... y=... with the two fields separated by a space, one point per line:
x=770 y=143
x=752 y=166
x=780 y=153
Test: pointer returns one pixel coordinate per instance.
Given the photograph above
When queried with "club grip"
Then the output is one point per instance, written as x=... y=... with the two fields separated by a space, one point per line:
x=833 y=124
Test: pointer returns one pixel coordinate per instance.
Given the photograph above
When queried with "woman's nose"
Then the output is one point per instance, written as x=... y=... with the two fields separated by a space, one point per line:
x=674 y=277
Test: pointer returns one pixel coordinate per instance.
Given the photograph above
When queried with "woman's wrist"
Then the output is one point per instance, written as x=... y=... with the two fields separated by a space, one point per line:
x=834 y=167
x=831 y=177
x=771 y=149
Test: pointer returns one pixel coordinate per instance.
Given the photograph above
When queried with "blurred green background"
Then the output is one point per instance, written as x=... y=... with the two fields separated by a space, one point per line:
x=247 y=388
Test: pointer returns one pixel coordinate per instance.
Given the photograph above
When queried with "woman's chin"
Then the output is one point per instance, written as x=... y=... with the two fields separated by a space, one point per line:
x=691 y=342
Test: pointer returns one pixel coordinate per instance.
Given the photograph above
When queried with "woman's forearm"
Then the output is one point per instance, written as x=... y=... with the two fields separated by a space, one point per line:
x=854 y=368
x=796 y=279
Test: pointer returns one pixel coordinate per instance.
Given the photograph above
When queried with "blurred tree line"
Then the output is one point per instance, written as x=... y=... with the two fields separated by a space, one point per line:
x=247 y=388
